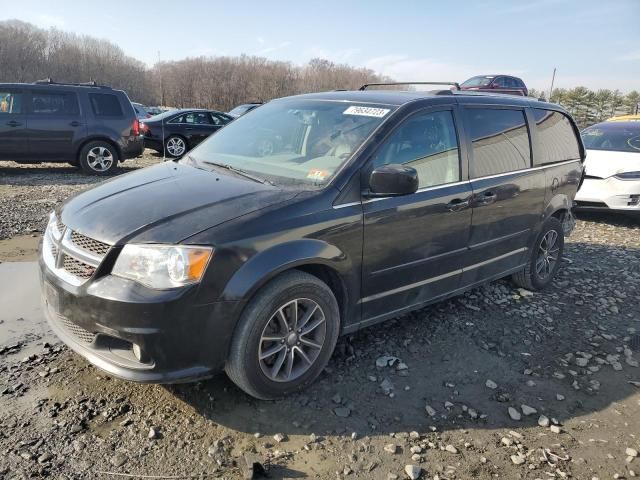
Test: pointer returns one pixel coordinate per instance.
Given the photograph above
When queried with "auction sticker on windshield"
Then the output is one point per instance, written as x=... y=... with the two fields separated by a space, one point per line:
x=366 y=111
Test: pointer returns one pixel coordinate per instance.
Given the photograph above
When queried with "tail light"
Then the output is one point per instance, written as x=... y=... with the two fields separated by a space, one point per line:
x=144 y=128
x=136 y=127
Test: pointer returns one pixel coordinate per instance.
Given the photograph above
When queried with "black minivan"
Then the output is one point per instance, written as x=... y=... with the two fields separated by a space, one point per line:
x=371 y=204
x=87 y=125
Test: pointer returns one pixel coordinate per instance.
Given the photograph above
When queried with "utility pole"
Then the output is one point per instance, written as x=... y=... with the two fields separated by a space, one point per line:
x=553 y=78
x=160 y=75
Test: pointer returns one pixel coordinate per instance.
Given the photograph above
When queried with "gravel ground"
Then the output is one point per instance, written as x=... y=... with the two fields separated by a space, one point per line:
x=498 y=383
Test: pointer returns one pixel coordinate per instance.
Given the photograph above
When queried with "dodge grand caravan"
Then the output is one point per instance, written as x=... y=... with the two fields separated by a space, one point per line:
x=371 y=204
x=90 y=126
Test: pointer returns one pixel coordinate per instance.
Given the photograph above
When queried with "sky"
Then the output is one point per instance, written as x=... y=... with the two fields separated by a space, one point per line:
x=594 y=43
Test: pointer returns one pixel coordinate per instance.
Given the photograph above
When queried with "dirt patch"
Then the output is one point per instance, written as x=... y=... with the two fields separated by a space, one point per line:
x=21 y=248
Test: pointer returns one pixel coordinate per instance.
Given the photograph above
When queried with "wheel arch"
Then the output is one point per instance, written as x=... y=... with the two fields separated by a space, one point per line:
x=315 y=257
x=98 y=139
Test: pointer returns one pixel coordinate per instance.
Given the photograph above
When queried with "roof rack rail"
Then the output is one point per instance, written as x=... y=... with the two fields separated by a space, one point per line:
x=49 y=81
x=453 y=84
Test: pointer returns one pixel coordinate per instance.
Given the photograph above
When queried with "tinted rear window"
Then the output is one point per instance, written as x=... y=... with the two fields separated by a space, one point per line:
x=556 y=138
x=54 y=103
x=613 y=136
x=105 y=105
x=500 y=141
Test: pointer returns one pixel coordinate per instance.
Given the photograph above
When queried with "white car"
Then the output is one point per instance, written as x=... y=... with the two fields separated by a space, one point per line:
x=612 y=168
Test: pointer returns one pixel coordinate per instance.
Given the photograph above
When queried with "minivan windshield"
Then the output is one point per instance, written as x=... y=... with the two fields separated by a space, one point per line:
x=294 y=142
x=481 y=81
x=614 y=136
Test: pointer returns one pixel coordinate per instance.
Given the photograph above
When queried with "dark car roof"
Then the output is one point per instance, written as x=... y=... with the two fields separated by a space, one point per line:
x=58 y=86
x=398 y=97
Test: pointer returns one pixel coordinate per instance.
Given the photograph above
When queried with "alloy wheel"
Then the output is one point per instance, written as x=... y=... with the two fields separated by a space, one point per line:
x=176 y=146
x=547 y=254
x=292 y=340
x=100 y=159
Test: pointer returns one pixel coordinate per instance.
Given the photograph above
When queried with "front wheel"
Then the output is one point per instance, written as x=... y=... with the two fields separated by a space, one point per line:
x=544 y=259
x=285 y=336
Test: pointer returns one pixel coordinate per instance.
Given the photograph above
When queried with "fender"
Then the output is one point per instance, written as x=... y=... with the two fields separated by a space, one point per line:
x=265 y=265
x=559 y=201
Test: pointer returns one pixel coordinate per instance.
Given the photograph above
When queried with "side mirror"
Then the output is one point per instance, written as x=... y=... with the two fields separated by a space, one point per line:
x=392 y=180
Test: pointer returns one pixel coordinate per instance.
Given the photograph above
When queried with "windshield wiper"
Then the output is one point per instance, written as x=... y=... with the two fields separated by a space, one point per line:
x=239 y=172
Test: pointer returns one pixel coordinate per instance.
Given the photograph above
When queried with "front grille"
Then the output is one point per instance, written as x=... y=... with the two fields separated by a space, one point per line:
x=54 y=251
x=60 y=226
x=89 y=244
x=77 y=268
x=77 y=331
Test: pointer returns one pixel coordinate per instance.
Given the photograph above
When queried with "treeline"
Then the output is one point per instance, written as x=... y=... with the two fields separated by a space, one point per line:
x=29 y=53
x=589 y=107
x=223 y=82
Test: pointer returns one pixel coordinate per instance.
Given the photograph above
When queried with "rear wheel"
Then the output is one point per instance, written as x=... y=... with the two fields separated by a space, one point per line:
x=544 y=259
x=175 y=146
x=285 y=337
x=98 y=158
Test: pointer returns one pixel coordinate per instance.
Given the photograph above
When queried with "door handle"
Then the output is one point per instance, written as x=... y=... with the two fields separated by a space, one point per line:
x=14 y=123
x=75 y=123
x=457 y=204
x=486 y=198
x=188 y=128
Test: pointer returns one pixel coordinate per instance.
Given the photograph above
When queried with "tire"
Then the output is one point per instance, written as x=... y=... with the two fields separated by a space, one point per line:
x=532 y=277
x=261 y=330
x=98 y=158
x=175 y=146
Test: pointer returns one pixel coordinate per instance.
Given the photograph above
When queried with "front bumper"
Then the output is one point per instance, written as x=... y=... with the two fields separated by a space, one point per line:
x=609 y=194
x=102 y=320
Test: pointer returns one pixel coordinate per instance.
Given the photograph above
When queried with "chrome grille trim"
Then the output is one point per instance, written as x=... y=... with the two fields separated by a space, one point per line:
x=71 y=256
x=89 y=244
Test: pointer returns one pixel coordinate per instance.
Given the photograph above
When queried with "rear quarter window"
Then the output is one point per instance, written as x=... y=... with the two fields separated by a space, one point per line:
x=54 y=103
x=557 y=140
x=499 y=140
x=105 y=105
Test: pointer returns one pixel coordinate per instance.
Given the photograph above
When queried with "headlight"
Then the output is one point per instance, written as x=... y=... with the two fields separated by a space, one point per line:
x=162 y=266
x=628 y=176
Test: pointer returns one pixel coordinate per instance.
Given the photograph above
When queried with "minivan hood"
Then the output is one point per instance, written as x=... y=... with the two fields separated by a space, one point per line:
x=605 y=163
x=165 y=203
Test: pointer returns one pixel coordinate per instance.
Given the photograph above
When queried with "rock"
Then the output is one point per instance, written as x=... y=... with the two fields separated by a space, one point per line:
x=430 y=410
x=560 y=397
x=451 y=449
x=392 y=476
x=416 y=449
x=527 y=410
x=514 y=414
x=45 y=457
x=386 y=361
x=631 y=452
x=279 y=437
x=555 y=429
x=387 y=386
x=154 y=433
x=118 y=460
x=543 y=421
x=518 y=459
x=491 y=384
x=337 y=398
x=342 y=412
x=413 y=472
x=506 y=441
x=581 y=362
x=391 y=448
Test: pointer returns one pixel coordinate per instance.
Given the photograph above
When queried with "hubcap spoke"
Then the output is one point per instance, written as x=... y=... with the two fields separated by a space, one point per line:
x=292 y=340
x=272 y=351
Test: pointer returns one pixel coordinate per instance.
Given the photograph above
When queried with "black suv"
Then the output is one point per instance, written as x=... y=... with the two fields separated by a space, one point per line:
x=88 y=125
x=371 y=204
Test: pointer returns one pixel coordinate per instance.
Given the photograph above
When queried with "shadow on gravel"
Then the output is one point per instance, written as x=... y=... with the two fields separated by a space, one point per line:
x=614 y=219
x=565 y=352
x=61 y=174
